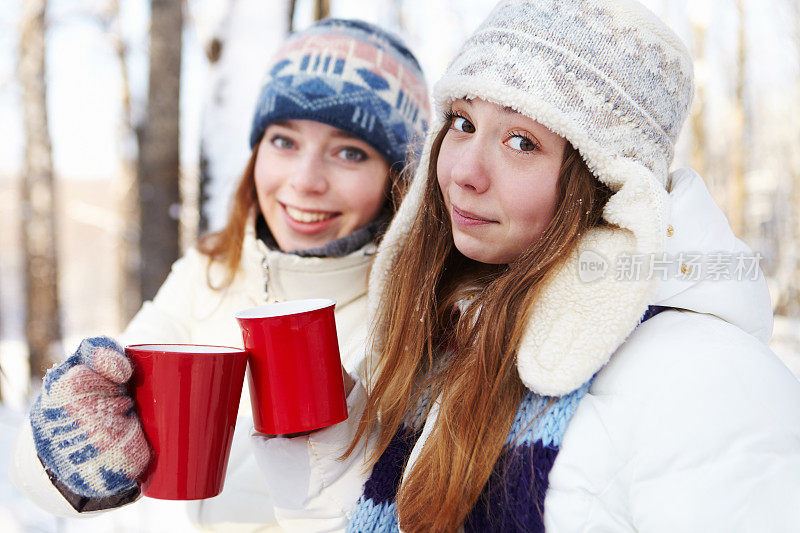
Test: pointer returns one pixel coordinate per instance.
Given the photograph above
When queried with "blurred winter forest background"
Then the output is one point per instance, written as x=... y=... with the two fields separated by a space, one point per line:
x=124 y=123
x=124 y=126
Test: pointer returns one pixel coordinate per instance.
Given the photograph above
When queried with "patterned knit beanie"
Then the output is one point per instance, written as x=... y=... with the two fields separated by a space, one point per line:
x=617 y=83
x=606 y=74
x=353 y=76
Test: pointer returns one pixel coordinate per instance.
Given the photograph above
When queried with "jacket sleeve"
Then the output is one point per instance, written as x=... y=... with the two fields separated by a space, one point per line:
x=312 y=487
x=30 y=478
x=717 y=441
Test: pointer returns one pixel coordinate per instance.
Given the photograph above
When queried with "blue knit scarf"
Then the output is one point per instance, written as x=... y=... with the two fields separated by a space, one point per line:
x=513 y=498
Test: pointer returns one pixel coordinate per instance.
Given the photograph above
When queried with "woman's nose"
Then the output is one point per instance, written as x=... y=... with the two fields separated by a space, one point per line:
x=309 y=175
x=470 y=170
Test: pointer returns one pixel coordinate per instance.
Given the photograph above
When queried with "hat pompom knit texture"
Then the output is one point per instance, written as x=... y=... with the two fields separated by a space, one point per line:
x=617 y=83
x=353 y=76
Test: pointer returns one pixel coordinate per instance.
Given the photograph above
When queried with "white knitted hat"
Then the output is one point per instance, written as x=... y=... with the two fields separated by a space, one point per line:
x=617 y=83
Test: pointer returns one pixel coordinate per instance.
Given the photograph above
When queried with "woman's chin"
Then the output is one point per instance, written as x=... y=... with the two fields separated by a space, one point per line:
x=291 y=243
x=478 y=251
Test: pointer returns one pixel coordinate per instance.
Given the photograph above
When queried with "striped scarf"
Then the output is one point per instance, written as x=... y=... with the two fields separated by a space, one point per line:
x=513 y=498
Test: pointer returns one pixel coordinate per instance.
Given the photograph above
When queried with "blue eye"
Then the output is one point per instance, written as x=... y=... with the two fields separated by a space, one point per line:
x=521 y=143
x=462 y=124
x=351 y=153
x=281 y=141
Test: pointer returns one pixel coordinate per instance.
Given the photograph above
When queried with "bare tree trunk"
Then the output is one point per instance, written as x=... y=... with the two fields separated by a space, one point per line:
x=248 y=32
x=737 y=153
x=788 y=301
x=793 y=294
x=42 y=325
x=129 y=297
x=159 y=154
x=292 y=6
x=213 y=54
x=395 y=8
x=322 y=9
x=699 y=153
x=3 y=379
x=205 y=181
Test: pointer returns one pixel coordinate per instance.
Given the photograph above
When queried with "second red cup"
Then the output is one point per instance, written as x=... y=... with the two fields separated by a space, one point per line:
x=295 y=376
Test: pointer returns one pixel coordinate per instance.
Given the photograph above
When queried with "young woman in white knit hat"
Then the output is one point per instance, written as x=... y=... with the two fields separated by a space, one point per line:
x=338 y=109
x=565 y=335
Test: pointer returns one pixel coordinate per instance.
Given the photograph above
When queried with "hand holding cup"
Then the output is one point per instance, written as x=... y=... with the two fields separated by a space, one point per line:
x=85 y=430
x=296 y=382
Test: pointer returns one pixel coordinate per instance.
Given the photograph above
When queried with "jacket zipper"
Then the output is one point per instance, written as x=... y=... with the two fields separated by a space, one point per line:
x=265 y=267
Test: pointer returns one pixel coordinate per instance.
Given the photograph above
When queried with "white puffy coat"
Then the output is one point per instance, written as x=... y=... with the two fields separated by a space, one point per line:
x=187 y=310
x=692 y=426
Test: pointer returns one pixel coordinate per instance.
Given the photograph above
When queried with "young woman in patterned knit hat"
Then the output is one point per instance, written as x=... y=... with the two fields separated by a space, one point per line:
x=547 y=350
x=340 y=105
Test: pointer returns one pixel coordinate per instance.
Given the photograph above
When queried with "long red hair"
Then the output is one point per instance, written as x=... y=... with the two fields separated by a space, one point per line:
x=479 y=388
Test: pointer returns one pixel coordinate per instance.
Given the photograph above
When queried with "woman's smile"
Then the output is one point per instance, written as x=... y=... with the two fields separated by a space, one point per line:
x=308 y=216
x=316 y=183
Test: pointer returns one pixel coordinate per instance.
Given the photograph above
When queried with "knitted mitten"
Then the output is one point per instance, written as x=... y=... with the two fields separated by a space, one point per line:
x=85 y=429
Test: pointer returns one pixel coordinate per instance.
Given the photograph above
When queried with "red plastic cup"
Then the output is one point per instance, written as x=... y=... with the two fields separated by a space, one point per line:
x=187 y=398
x=295 y=375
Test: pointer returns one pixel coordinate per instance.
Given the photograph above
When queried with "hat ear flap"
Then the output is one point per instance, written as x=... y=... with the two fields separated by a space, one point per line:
x=569 y=336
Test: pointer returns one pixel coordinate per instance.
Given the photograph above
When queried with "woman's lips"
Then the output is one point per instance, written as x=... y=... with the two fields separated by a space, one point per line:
x=308 y=221
x=301 y=215
x=465 y=218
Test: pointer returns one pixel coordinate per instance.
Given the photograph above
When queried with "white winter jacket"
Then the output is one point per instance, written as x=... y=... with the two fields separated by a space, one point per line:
x=187 y=310
x=692 y=426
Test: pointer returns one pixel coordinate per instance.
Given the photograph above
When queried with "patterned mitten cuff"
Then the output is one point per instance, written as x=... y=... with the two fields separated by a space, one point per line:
x=85 y=429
